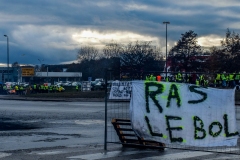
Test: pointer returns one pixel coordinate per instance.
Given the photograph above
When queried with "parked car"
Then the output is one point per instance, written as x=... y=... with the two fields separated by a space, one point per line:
x=76 y=83
x=97 y=85
x=67 y=84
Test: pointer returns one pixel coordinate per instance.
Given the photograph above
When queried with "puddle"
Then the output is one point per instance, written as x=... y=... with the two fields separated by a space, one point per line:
x=7 y=126
x=50 y=139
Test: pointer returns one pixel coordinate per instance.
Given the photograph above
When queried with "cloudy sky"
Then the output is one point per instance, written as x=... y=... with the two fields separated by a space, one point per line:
x=52 y=31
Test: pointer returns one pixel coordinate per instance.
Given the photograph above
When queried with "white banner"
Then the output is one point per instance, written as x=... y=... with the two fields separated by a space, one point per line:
x=121 y=90
x=178 y=113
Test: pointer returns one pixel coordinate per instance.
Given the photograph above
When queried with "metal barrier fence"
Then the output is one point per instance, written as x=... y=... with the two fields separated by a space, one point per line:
x=119 y=109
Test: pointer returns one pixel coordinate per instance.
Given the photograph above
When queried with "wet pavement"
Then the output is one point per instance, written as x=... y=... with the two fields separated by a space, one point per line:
x=66 y=129
x=23 y=98
x=31 y=125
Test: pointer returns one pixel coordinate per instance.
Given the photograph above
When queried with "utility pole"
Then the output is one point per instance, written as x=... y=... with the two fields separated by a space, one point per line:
x=166 y=48
x=7 y=56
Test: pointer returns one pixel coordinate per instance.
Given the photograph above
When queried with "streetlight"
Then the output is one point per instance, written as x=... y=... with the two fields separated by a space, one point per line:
x=40 y=63
x=7 y=56
x=166 y=47
x=40 y=66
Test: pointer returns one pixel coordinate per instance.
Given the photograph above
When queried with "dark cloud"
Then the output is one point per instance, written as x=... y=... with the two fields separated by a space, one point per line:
x=54 y=30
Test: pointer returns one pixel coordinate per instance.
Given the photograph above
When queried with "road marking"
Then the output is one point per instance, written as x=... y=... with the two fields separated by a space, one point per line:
x=191 y=154
x=2 y=155
x=180 y=155
x=8 y=141
x=225 y=157
x=88 y=122
x=223 y=150
x=106 y=155
x=48 y=153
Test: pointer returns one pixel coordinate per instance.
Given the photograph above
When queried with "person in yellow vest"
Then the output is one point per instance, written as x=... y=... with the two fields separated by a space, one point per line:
x=21 y=89
x=60 y=89
x=4 y=89
x=17 y=89
x=34 y=88
x=42 y=88
x=223 y=78
x=197 y=82
x=205 y=82
x=30 y=88
x=151 y=77
x=215 y=83
x=201 y=79
x=56 y=88
x=179 y=77
x=218 y=79
x=147 y=78
x=46 y=88
x=77 y=88
x=227 y=80
x=39 y=88
x=50 y=88
x=237 y=78
x=231 y=80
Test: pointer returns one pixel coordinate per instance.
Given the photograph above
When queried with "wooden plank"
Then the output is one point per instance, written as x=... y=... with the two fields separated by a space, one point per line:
x=129 y=142
x=122 y=123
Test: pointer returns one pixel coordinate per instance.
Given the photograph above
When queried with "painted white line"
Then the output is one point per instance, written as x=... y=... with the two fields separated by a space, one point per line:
x=8 y=141
x=224 y=150
x=180 y=155
x=2 y=155
x=48 y=153
x=106 y=155
x=191 y=154
x=225 y=157
x=88 y=122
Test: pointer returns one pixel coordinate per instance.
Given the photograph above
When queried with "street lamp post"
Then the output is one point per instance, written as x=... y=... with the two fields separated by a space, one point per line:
x=7 y=56
x=166 y=47
x=40 y=66
x=40 y=63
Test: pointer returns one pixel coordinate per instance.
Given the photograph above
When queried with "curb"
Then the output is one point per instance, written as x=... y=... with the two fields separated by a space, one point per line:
x=52 y=99
x=13 y=97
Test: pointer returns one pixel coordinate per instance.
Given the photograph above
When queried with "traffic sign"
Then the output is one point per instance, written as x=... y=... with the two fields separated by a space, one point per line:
x=27 y=72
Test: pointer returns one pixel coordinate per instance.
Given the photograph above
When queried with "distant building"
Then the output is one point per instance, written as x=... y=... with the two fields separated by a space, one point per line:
x=4 y=75
x=30 y=75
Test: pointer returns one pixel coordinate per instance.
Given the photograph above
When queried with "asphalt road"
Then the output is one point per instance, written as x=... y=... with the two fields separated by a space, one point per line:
x=69 y=130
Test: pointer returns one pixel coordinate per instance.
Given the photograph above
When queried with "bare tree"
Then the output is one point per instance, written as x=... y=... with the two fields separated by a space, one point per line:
x=158 y=53
x=87 y=53
x=231 y=44
x=15 y=64
x=226 y=58
x=138 y=54
x=184 y=50
x=112 y=50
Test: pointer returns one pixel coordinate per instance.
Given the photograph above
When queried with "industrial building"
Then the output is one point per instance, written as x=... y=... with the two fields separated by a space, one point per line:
x=30 y=75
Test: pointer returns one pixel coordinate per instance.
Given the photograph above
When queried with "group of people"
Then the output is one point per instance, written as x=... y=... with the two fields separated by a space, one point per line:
x=9 y=89
x=45 y=88
x=35 y=88
x=227 y=80
x=223 y=80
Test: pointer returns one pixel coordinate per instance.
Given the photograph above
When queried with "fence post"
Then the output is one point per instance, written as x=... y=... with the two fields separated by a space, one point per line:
x=105 y=129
